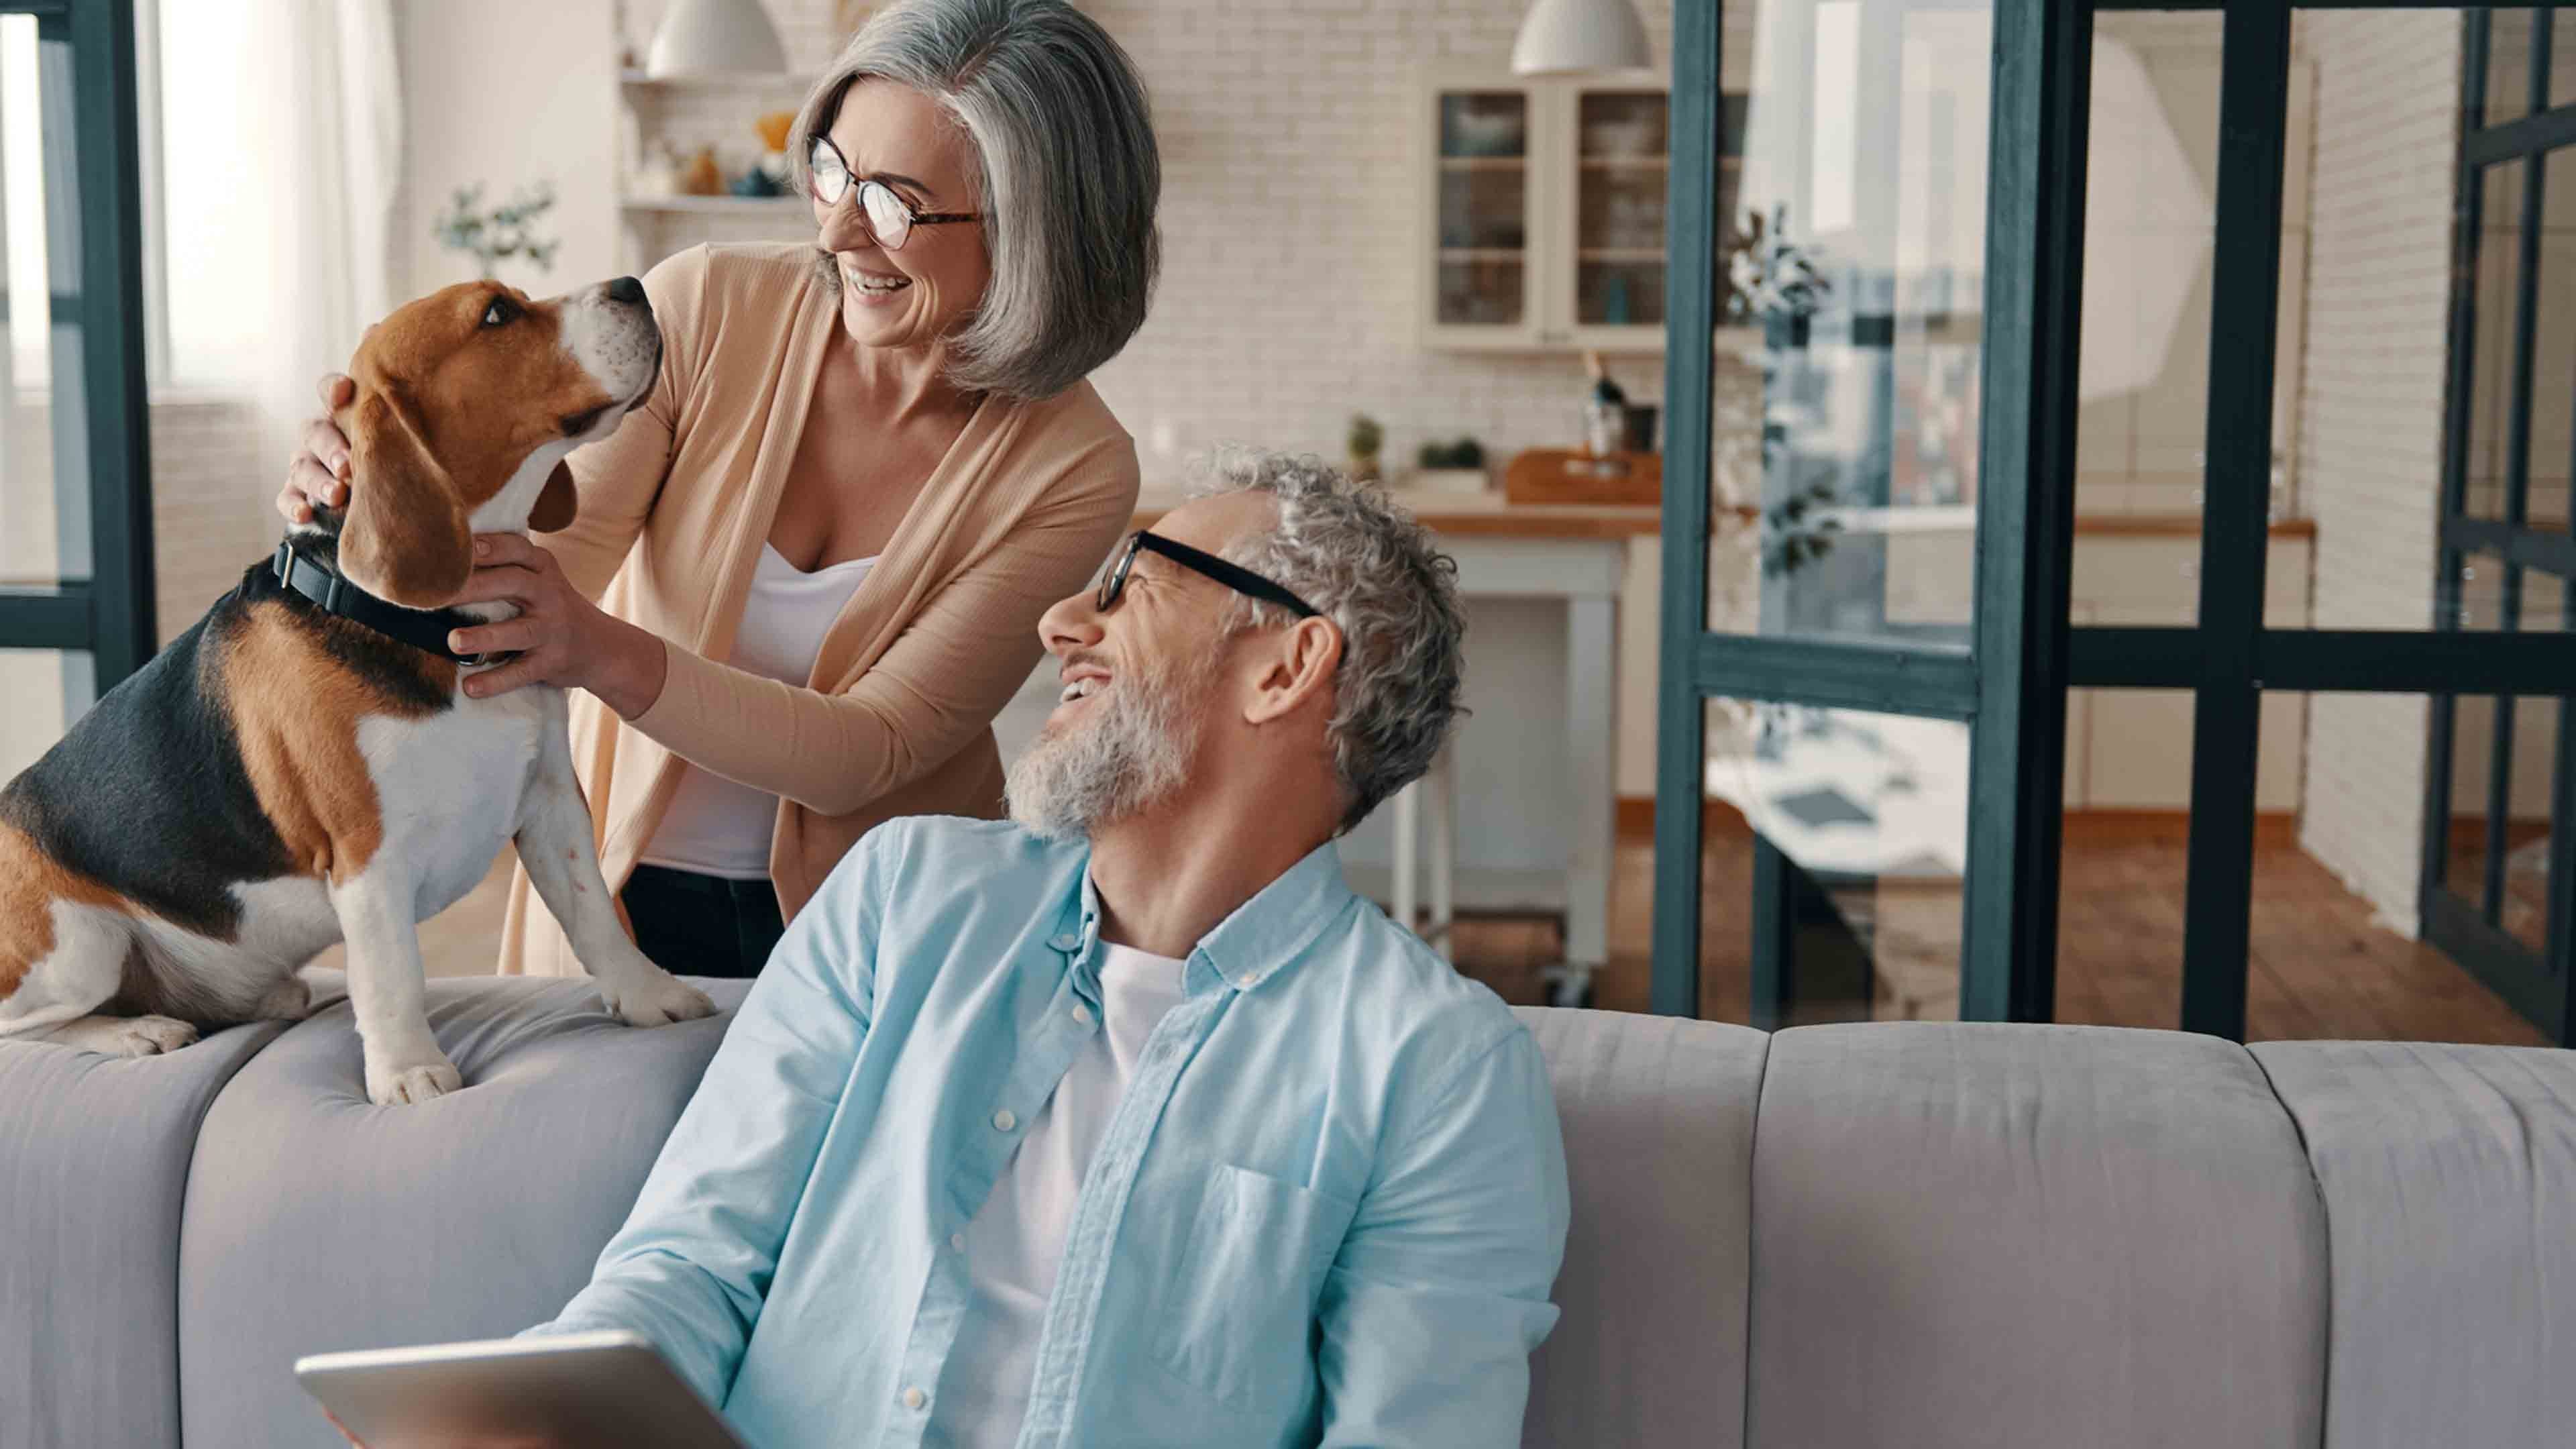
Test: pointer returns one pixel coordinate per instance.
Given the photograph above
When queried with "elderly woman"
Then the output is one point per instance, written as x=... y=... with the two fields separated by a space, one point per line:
x=807 y=573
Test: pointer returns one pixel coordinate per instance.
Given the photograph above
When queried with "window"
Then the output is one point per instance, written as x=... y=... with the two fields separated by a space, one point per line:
x=75 y=551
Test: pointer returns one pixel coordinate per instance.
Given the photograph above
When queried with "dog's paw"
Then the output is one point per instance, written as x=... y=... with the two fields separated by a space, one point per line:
x=653 y=997
x=147 y=1036
x=408 y=1085
x=289 y=1000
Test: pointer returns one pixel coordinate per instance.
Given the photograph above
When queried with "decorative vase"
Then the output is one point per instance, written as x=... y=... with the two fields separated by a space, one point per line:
x=702 y=177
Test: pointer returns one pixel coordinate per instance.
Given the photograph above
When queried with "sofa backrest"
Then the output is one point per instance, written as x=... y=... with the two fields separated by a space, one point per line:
x=316 y=1220
x=94 y=1155
x=1658 y=1120
x=2449 y=1177
x=1921 y=1234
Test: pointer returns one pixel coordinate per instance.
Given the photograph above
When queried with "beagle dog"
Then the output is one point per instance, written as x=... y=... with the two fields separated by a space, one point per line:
x=301 y=767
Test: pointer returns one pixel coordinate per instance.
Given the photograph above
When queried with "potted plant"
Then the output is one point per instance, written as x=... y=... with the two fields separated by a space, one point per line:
x=1773 y=281
x=491 y=237
x=1367 y=437
x=1457 y=467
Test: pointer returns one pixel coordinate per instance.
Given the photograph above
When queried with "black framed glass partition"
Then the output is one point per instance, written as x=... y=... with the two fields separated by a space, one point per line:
x=2312 y=638
x=75 y=538
x=1846 y=606
x=2499 y=866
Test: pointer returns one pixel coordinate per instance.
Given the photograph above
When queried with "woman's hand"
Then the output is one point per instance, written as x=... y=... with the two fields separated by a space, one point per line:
x=319 y=471
x=562 y=638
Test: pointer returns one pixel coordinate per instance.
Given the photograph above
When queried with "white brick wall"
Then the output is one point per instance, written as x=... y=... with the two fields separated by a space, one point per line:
x=2371 y=435
x=1289 y=220
x=1289 y=201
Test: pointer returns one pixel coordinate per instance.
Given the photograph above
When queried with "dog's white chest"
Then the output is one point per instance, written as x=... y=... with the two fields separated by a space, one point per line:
x=449 y=786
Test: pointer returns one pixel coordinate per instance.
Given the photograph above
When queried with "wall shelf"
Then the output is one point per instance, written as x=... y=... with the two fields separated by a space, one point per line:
x=725 y=81
x=717 y=205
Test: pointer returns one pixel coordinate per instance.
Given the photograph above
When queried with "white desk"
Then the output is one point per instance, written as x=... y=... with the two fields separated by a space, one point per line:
x=1586 y=574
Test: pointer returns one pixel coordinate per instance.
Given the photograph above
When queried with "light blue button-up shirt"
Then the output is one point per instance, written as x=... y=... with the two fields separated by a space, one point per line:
x=1328 y=1209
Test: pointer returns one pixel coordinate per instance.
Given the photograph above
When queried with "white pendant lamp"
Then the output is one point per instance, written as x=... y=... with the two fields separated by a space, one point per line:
x=1561 y=36
x=715 y=37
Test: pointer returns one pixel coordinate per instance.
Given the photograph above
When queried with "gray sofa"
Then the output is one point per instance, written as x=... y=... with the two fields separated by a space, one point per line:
x=1910 y=1235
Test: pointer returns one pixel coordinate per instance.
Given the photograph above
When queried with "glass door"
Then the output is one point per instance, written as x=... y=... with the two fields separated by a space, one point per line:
x=1845 y=636
x=75 y=553
x=2499 y=869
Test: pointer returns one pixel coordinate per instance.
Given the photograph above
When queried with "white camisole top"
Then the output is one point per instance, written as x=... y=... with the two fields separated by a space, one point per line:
x=714 y=826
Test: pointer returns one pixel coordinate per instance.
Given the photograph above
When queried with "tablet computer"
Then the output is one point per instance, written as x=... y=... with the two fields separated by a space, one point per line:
x=570 y=1389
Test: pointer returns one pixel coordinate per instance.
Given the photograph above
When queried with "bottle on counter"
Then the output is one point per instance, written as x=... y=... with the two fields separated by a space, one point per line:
x=1605 y=410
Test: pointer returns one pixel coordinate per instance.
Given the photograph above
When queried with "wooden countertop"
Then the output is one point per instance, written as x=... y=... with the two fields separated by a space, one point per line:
x=1486 y=515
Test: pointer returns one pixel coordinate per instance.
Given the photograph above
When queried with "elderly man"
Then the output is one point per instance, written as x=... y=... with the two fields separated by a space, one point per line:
x=1127 y=1123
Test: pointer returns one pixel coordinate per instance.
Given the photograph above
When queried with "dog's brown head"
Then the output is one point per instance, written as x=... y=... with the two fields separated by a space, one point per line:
x=467 y=401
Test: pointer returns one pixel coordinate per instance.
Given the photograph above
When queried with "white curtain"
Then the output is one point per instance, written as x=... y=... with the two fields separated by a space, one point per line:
x=281 y=162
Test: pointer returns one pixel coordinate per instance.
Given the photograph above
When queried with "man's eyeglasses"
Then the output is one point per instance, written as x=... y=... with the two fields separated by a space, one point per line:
x=1233 y=576
x=888 y=217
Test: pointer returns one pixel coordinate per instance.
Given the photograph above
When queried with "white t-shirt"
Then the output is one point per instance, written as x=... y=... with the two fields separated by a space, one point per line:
x=1016 y=1241
x=715 y=826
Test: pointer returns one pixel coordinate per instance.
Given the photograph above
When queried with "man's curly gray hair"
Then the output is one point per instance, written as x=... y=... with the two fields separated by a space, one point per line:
x=1370 y=568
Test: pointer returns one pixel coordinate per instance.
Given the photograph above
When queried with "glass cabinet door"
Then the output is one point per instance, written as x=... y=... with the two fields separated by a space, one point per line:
x=1619 y=171
x=1481 y=263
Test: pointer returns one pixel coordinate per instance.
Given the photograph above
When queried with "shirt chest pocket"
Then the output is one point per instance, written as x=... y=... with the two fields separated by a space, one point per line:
x=1235 y=1318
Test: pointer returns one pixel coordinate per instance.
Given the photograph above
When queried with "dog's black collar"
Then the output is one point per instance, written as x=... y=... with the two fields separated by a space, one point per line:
x=422 y=629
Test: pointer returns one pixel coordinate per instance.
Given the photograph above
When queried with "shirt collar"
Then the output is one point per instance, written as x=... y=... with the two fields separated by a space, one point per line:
x=1263 y=937
x=1267 y=934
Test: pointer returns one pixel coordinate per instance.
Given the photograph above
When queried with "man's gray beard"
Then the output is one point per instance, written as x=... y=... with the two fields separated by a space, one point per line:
x=1129 y=756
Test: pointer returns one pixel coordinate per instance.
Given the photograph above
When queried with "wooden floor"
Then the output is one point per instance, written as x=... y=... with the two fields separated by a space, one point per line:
x=2319 y=967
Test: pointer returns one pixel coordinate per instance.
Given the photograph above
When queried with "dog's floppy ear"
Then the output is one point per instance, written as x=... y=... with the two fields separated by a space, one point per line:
x=557 y=503
x=405 y=539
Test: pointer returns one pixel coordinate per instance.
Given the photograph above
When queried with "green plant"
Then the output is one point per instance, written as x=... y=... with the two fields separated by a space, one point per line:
x=1366 y=436
x=501 y=233
x=1799 y=530
x=1464 y=453
x=1771 y=277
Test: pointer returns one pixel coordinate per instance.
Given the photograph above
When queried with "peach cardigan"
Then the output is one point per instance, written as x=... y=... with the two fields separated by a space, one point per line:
x=897 y=717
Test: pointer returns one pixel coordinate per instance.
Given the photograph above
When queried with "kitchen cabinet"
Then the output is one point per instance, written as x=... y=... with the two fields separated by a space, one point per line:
x=1542 y=213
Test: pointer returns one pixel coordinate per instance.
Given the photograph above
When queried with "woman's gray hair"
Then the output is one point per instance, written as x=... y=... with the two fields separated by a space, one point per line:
x=1371 y=568
x=1069 y=180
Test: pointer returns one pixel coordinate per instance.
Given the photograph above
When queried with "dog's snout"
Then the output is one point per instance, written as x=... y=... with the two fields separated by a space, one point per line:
x=627 y=290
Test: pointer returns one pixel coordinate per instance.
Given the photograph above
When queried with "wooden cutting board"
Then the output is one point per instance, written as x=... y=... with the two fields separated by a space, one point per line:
x=1561 y=475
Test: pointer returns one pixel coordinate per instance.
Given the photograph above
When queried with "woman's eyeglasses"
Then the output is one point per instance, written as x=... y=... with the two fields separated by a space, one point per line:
x=888 y=217
x=1241 y=580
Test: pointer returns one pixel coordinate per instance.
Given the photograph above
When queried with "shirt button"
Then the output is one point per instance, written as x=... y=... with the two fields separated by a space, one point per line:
x=1066 y=942
x=1003 y=1121
x=957 y=1241
x=1082 y=1016
x=914 y=1398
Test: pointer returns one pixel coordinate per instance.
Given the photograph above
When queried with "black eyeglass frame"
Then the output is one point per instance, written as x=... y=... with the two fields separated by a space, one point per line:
x=856 y=186
x=1234 y=576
